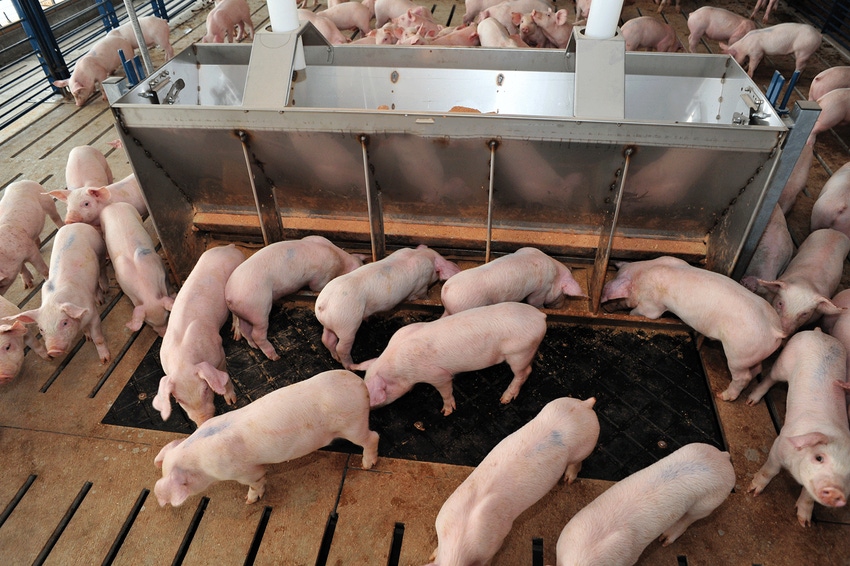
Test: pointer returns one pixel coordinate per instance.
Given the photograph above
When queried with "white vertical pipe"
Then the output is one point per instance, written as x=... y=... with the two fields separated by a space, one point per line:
x=283 y=15
x=603 y=19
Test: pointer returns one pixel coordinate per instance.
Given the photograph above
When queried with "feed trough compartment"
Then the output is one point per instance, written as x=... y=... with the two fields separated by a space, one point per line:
x=472 y=149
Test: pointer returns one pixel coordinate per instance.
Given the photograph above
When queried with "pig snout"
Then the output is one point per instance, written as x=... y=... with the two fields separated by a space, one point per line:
x=832 y=497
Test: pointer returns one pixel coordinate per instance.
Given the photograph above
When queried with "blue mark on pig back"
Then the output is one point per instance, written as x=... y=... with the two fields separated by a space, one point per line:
x=554 y=440
x=206 y=432
x=143 y=251
x=49 y=286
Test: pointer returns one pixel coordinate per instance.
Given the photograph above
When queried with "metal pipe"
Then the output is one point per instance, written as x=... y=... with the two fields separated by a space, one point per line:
x=140 y=38
x=373 y=206
x=264 y=197
x=492 y=146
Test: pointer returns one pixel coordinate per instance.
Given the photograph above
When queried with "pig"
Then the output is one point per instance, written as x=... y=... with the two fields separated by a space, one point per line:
x=527 y=275
x=463 y=35
x=155 y=31
x=782 y=39
x=503 y=12
x=283 y=425
x=277 y=270
x=838 y=325
x=712 y=304
x=797 y=180
x=349 y=15
x=386 y=10
x=13 y=336
x=717 y=24
x=379 y=286
x=324 y=25
x=814 y=442
x=419 y=18
x=86 y=203
x=138 y=268
x=22 y=210
x=803 y=290
x=70 y=294
x=475 y=7
x=554 y=25
x=773 y=252
x=835 y=111
x=491 y=33
x=761 y=4
x=658 y=502
x=93 y=67
x=830 y=208
x=388 y=34
x=473 y=522
x=433 y=352
x=227 y=16
x=529 y=31
x=192 y=354
x=87 y=167
x=647 y=32
x=582 y=9
x=829 y=80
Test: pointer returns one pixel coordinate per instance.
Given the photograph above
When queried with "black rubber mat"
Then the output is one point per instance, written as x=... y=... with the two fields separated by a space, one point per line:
x=652 y=395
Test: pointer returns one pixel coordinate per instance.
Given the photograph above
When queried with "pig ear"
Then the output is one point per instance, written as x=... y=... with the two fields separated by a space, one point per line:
x=445 y=268
x=73 y=310
x=13 y=328
x=215 y=378
x=363 y=366
x=561 y=17
x=377 y=388
x=61 y=84
x=27 y=317
x=825 y=306
x=167 y=303
x=165 y=450
x=570 y=286
x=516 y=18
x=808 y=440
x=773 y=286
x=162 y=401
x=60 y=194
x=101 y=193
x=616 y=289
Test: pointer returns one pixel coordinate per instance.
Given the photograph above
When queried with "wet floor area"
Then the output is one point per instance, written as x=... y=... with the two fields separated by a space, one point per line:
x=652 y=395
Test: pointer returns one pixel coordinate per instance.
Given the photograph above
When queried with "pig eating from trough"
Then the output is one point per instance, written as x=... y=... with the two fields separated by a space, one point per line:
x=13 y=336
x=192 y=354
x=814 y=442
x=93 y=67
x=85 y=203
x=283 y=425
x=277 y=270
x=712 y=304
x=350 y=299
x=433 y=352
x=773 y=252
x=520 y=470
x=659 y=501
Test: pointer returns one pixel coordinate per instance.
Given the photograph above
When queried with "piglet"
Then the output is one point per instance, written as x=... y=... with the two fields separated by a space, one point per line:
x=87 y=167
x=712 y=304
x=804 y=288
x=835 y=111
x=831 y=207
x=379 y=286
x=227 y=16
x=475 y=7
x=192 y=354
x=782 y=39
x=503 y=12
x=350 y=15
x=491 y=33
x=838 y=325
x=717 y=24
x=277 y=270
x=463 y=35
x=13 y=336
x=138 y=268
x=93 y=67
x=527 y=275
x=647 y=32
x=324 y=25
x=583 y=9
x=773 y=252
x=155 y=31
x=85 y=204
x=814 y=443
x=529 y=31
x=386 y=10
x=283 y=425
x=474 y=521
x=828 y=80
x=70 y=295
x=555 y=26
x=768 y=6
x=433 y=352
x=22 y=211
x=658 y=502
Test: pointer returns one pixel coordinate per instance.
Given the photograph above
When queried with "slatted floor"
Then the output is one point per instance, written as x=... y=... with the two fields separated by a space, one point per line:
x=76 y=491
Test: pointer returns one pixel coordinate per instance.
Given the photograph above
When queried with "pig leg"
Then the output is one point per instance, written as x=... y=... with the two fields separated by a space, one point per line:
x=366 y=438
x=260 y=336
x=330 y=340
x=444 y=386
x=573 y=468
x=35 y=344
x=521 y=366
x=675 y=531
x=95 y=335
x=805 y=506
x=768 y=471
x=239 y=328
x=343 y=350
x=26 y=277
x=741 y=377
x=256 y=487
x=760 y=390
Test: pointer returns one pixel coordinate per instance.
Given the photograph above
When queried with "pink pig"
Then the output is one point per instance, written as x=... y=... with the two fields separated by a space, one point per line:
x=349 y=299
x=814 y=443
x=659 y=501
x=773 y=253
x=503 y=12
x=554 y=25
x=227 y=16
x=647 y=32
x=465 y=35
x=85 y=203
x=527 y=275
x=386 y=10
x=87 y=167
x=70 y=295
x=804 y=288
x=717 y=24
x=154 y=30
x=829 y=80
x=22 y=211
x=768 y=5
x=474 y=521
x=324 y=25
x=782 y=39
x=475 y=7
x=13 y=335
x=138 y=268
x=93 y=67
x=433 y=352
x=529 y=31
x=349 y=15
x=838 y=325
x=831 y=208
x=283 y=425
x=277 y=270
x=835 y=110
x=192 y=354
x=491 y=33
x=712 y=304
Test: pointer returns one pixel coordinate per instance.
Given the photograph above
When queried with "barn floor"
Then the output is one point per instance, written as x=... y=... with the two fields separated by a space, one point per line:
x=76 y=487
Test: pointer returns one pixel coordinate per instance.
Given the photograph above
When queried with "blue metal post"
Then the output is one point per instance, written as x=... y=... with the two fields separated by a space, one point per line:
x=107 y=14
x=159 y=9
x=43 y=41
